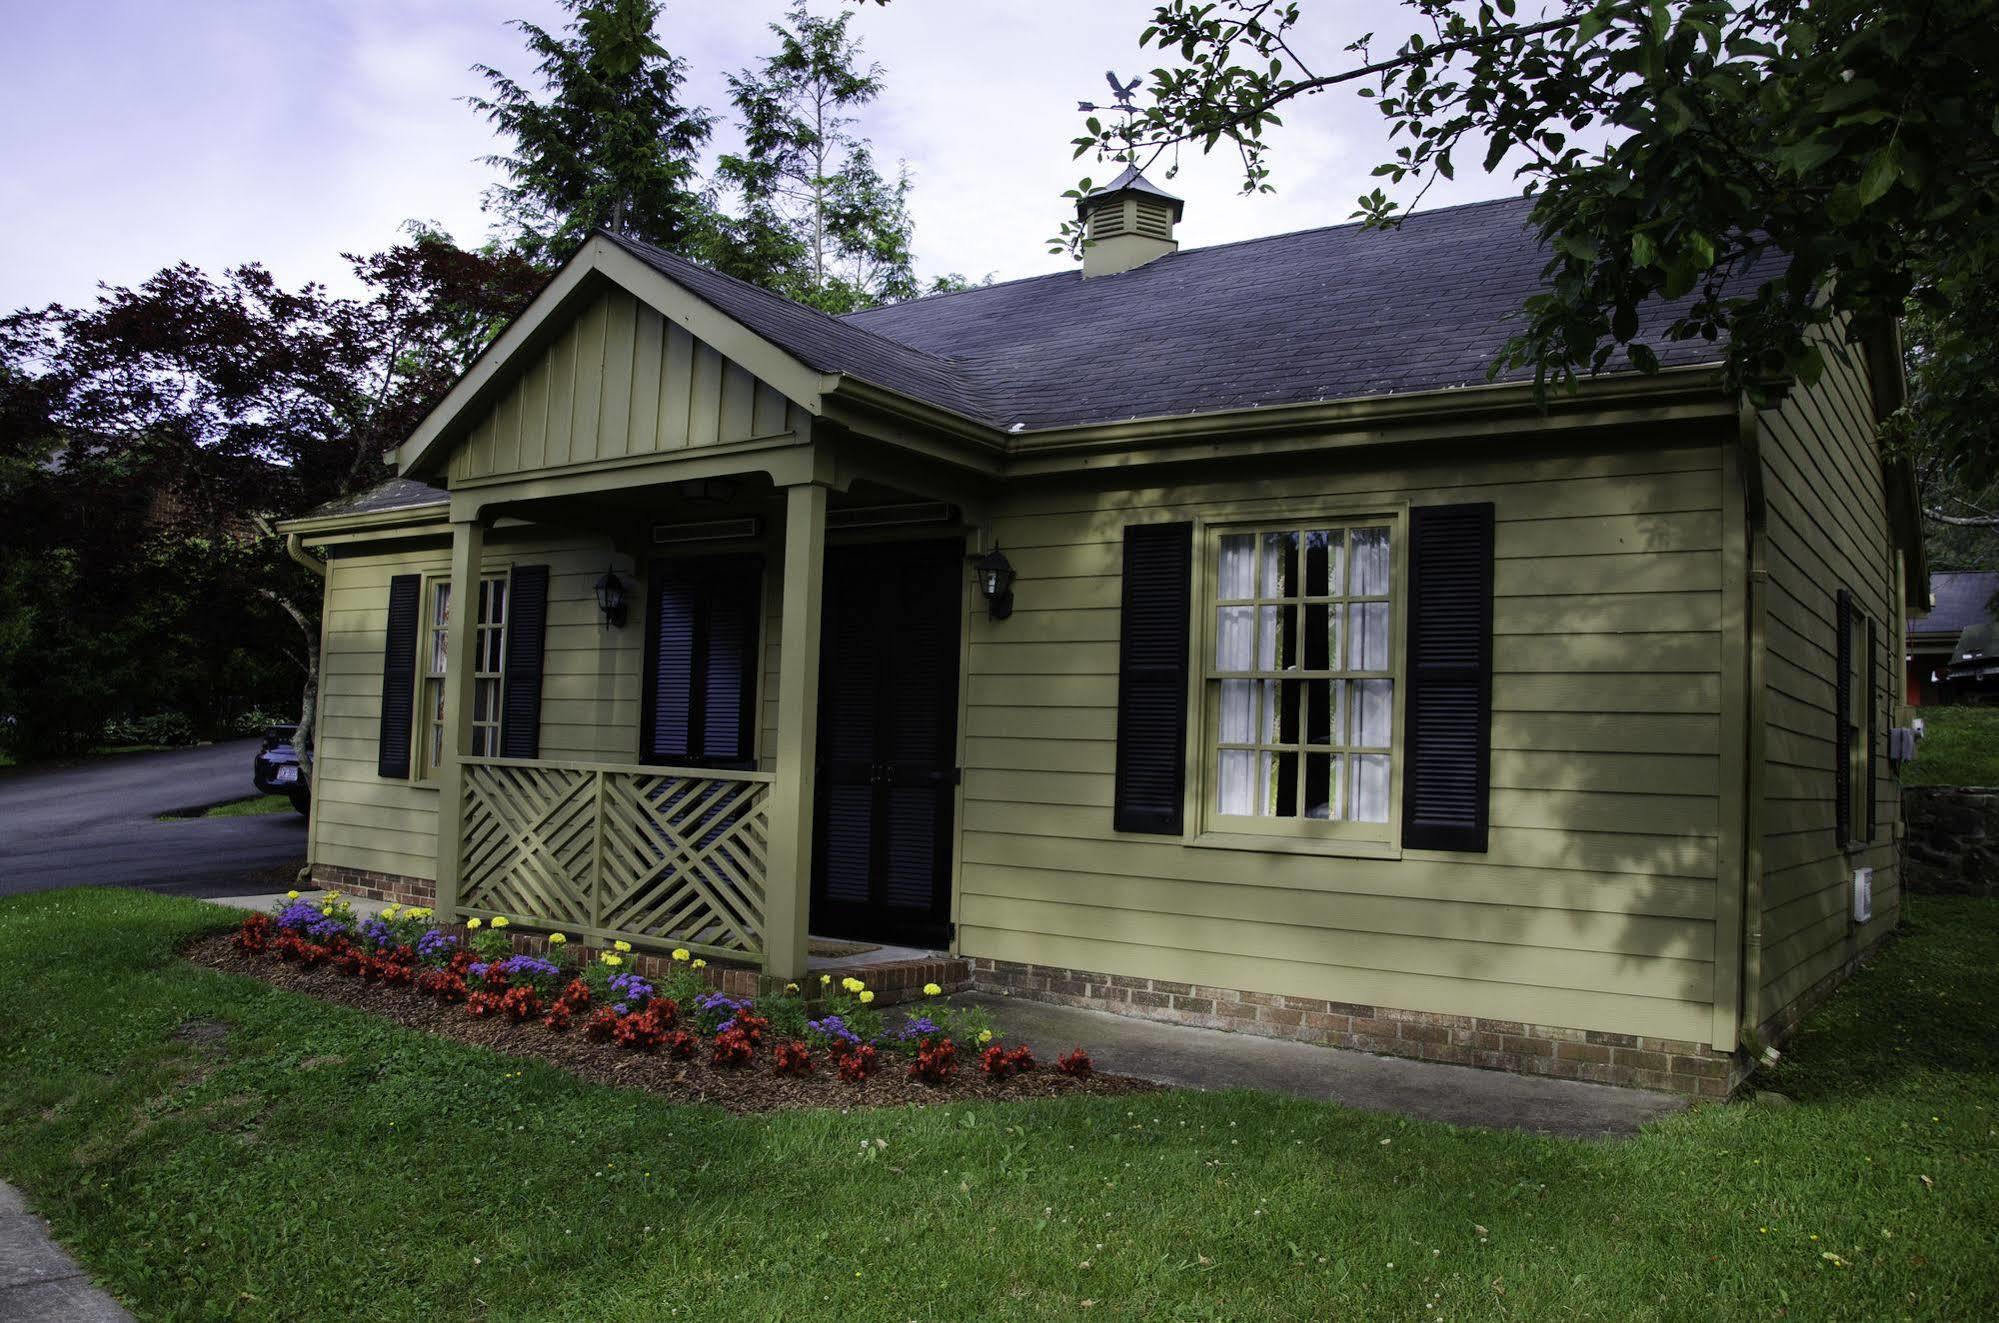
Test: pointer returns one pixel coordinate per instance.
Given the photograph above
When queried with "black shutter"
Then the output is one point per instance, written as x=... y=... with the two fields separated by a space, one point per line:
x=392 y=754
x=1447 y=746
x=729 y=663
x=701 y=662
x=1873 y=696
x=1152 y=679
x=527 y=623
x=1842 y=726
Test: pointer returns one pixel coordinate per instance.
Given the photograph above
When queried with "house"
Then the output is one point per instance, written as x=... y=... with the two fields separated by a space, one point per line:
x=1959 y=600
x=1196 y=634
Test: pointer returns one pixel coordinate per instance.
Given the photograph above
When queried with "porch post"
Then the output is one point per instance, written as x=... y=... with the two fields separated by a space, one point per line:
x=788 y=888
x=468 y=547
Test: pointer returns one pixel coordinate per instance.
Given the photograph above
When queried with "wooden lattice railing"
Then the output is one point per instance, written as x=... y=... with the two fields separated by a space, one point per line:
x=661 y=855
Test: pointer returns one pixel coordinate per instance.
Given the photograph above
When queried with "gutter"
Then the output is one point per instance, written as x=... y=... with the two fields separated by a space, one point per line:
x=1755 y=714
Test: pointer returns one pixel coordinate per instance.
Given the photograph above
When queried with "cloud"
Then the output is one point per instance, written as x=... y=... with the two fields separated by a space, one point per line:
x=222 y=131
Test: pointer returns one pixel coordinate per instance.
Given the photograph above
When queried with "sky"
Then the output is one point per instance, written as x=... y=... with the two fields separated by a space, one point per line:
x=141 y=133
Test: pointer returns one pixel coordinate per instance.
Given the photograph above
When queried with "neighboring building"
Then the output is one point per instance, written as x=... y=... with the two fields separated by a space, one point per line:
x=1959 y=600
x=1340 y=695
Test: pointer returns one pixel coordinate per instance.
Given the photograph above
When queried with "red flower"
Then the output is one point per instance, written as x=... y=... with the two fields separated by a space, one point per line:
x=752 y=1026
x=481 y=1004
x=254 y=937
x=442 y=984
x=732 y=1047
x=1076 y=1063
x=793 y=1059
x=577 y=993
x=681 y=1045
x=936 y=1061
x=1000 y=1062
x=857 y=1063
x=638 y=1032
x=520 y=1003
x=601 y=1026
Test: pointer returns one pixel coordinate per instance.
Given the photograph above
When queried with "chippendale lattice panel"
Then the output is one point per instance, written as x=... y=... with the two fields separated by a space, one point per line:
x=669 y=856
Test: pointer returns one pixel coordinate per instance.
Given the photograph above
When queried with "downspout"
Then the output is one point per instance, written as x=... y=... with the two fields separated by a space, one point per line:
x=1755 y=716
x=295 y=548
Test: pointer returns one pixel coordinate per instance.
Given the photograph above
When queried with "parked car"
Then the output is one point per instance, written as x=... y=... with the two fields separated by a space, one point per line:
x=279 y=771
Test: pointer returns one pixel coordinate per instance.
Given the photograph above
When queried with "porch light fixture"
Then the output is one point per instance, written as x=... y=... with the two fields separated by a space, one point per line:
x=611 y=599
x=995 y=583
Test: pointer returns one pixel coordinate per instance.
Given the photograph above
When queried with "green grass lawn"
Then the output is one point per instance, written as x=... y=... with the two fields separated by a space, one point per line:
x=1960 y=748
x=322 y=1163
x=254 y=806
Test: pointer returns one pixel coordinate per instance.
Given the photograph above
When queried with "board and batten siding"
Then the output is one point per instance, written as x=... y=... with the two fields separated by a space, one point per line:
x=618 y=382
x=1826 y=529
x=590 y=688
x=1595 y=905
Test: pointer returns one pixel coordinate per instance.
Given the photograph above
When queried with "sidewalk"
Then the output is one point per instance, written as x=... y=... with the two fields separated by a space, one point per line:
x=38 y=1281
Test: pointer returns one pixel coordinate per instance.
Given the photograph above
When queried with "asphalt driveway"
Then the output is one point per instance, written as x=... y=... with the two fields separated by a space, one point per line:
x=97 y=824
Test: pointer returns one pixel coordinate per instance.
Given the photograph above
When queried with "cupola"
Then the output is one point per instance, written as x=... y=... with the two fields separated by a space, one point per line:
x=1127 y=222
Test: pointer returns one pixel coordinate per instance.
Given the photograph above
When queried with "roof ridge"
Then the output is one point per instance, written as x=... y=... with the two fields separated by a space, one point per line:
x=760 y=291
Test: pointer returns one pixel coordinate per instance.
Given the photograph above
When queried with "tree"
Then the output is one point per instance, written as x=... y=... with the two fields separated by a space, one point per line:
x=819 y=223
x=1949 y=428
x=1668 y=145
x=147 y=437
x=610 y=145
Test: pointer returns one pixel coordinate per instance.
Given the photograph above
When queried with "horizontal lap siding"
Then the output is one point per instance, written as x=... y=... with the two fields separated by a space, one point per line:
x=1594 y=907
x=1827 y=530
x=619 y=381
x=590 y=692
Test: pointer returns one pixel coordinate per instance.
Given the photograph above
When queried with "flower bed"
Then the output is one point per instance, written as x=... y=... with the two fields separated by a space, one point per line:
x=676 y=1034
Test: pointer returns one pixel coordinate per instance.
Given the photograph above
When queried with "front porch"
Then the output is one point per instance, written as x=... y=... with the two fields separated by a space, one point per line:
x=786 y=815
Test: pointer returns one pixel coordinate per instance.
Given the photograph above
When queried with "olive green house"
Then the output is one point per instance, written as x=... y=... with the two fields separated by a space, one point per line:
x=1196 y=635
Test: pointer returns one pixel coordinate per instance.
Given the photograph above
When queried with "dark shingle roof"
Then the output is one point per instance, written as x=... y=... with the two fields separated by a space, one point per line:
x=1963 y=599
x=1327 y=314
x=395 y=494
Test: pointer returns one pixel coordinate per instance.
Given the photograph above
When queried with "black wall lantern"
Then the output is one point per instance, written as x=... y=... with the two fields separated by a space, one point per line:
x=995 y=583
x=611 y=599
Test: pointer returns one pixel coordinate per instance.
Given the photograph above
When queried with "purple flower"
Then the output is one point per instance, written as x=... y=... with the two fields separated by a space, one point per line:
x=377 y=932
x=477 y=969
x=631 y=988
x=920 y=1027
x=834 y=1027
x=527 y=966
x=300 y=914
x=321 y=929
x=436 y=944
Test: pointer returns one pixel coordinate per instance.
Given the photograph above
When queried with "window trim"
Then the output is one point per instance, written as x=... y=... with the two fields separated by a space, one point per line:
x=423 y=767
x=1862 y=723
x=1207 y=826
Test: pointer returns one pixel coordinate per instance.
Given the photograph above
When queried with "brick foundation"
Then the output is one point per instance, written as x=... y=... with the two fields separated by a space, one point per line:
x=893 y=981
x=1671 y=1064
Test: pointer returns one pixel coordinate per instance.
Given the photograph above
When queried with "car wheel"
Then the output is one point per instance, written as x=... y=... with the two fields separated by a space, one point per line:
x=302 y=801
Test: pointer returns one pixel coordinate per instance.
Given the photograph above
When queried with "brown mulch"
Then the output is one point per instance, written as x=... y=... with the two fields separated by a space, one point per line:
x=752 y=1088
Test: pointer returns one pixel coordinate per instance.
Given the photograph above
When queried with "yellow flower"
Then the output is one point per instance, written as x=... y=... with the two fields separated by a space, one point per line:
x=824 y=979
x=985 y=1035
x=291 y=895
x=613 y=960
x=472 y=925
x=932 y=990
x=791 y=987
x=556 y=939
x=327 y=910
x=701 y=964
x=389 y=914
x=621 y=947
x=500 y=922
x=866 y=997
x=332 y=895
x=680 y=953
x=852 y=984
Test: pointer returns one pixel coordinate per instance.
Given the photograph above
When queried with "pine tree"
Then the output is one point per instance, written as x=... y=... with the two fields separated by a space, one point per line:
x=611 y=144
x=819 y=222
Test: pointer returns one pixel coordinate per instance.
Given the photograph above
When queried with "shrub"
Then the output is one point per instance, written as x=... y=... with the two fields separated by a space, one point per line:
x=171 y=728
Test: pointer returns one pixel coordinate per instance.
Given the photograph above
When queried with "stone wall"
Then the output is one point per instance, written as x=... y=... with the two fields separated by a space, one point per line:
x=1952 y=846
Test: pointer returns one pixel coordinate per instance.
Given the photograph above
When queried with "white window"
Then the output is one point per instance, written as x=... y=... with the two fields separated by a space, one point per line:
x=488 y=659
x=1301 y=680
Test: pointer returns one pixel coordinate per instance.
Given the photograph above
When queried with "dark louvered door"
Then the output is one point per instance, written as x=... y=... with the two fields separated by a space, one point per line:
x=888 y=712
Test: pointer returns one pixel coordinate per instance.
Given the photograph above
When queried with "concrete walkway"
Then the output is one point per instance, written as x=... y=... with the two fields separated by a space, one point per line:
x=38 y=1281
x=1215 y=1059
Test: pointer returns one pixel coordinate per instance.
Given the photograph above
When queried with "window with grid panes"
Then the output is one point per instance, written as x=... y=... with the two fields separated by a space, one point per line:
x=488 y=656
x=1301 y=680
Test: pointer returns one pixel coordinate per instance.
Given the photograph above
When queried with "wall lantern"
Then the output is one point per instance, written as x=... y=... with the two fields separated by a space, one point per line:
x=995 y=583
x=611 y=599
